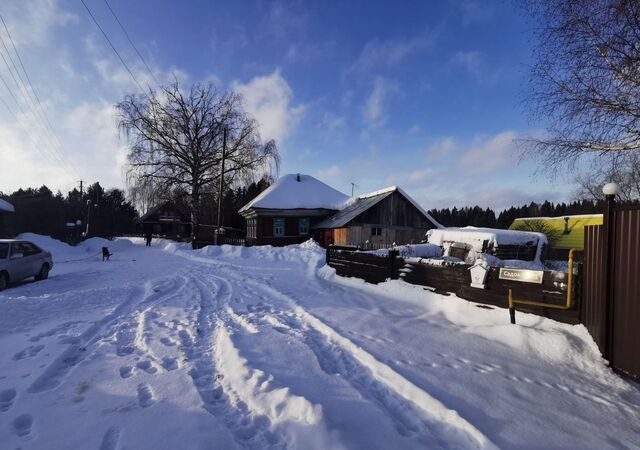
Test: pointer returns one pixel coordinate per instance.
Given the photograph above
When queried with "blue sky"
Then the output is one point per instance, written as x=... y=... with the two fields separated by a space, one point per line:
x=422 y=94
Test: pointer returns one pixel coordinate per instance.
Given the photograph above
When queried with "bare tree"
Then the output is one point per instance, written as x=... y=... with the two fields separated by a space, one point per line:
x=623 y=170
x=585 y=79
x=176 y=143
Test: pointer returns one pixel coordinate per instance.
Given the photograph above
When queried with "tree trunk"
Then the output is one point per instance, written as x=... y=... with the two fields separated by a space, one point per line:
x=195 y=215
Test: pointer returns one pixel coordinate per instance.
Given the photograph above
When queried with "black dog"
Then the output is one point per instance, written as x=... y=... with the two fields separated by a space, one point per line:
x=106 y=254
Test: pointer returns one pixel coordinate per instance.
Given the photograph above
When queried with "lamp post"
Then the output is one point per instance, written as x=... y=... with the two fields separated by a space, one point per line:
x=610 y=190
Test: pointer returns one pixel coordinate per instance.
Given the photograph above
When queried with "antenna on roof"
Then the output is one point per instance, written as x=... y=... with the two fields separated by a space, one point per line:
x=354 y=186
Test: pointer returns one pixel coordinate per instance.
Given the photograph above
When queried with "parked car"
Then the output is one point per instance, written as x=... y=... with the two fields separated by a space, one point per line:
x=22 y=259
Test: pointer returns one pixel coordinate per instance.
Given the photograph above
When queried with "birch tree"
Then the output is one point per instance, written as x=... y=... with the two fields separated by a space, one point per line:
x=176 y=138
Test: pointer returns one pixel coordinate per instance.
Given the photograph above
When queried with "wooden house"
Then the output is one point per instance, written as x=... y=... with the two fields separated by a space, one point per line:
x=167 y=219
x=377 y=219
x=297 y=207
x=286 y=212
x=5 y=209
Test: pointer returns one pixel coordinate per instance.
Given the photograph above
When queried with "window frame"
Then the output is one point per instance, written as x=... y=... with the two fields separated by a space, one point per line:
x=304 y=226
x=278 y=227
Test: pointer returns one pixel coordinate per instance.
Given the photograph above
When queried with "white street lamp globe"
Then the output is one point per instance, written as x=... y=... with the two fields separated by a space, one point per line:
x=78 y=222
x=612 y=188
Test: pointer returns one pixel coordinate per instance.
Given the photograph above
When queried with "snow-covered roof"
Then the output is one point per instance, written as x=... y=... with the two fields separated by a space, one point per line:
x=6 y=206
x=474 y=235
x=357 y=205
x=297 y=191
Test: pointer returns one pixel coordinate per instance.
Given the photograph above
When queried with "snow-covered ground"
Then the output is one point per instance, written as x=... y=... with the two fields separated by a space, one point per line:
x=167 y=348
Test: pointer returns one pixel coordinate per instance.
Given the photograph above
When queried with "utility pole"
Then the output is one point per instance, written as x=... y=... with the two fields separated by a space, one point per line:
x=224 y=155
x=81 y=192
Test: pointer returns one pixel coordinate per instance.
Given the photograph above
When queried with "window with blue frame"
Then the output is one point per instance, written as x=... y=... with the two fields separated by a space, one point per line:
x=278 y=227
x=303 y=225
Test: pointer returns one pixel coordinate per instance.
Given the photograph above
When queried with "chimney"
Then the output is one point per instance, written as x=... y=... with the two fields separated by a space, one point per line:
x=566 y=226
x=298 y=178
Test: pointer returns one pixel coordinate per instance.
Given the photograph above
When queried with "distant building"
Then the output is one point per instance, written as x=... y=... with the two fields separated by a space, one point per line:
x=297 y=207
x=165 y=220
x=568 y=231
x=5 y=208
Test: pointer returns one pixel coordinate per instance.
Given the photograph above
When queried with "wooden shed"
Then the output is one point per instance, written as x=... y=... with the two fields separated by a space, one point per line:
x=378 y=219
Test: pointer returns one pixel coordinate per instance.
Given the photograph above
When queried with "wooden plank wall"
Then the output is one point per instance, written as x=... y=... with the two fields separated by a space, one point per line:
x=371 y=268
x=457 y=279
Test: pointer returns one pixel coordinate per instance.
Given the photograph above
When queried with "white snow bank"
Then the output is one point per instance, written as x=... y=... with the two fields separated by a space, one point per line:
x=63 y=252
x=479 y=240
x=293 y=191
x=6 y=206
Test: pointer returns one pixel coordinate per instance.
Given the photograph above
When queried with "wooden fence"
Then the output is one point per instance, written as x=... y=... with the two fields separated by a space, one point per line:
x=457 y=279
x=371 y=268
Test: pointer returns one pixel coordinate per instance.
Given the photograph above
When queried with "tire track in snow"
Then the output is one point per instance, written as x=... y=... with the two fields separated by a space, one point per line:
x=57 y=371
x=374 y=379
x=249 y=430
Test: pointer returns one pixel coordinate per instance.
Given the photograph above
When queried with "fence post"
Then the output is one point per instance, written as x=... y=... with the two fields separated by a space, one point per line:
x=393 y=254
x=609 y=272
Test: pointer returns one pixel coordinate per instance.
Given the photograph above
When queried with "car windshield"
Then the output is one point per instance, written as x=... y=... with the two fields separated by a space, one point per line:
x=4 y=250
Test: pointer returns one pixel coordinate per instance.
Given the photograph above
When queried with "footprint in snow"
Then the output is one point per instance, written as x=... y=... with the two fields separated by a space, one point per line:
x=126 y=371
x=6 y=399
x=22 y=425
x=28 y=352
x=146 y=366
x=145 y=395
x=110 y=439
x=169 y=363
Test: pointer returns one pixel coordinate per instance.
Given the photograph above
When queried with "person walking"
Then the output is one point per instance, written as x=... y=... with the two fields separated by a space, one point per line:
x=148 y=238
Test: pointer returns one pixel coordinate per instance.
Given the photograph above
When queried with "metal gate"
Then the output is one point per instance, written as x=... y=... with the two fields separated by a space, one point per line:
x=614 y=325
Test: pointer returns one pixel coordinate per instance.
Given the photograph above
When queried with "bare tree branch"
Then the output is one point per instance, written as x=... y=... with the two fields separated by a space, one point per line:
x=175 y=141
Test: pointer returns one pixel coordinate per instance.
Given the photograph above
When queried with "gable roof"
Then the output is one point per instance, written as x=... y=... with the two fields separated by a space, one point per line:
x=357 y=205
x=166 y=204
x=6 y=206
x=299 y=191
x=575 y=237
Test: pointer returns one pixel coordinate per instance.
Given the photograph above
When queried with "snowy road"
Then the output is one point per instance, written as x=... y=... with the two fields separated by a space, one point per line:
x=165 y=348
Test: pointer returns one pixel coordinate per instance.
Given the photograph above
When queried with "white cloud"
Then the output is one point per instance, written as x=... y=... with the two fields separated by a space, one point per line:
x=333 y=171
x=93 y=126
x=489 y=154
x=269 y=99
x=386 y=53
x=420 y=176
x=442 y=148
x=470 y=61
x=30 y=21
x=373 y=111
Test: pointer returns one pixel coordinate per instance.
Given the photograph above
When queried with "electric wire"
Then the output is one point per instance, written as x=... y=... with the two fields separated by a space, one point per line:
x=131 y=42
x=113 y=48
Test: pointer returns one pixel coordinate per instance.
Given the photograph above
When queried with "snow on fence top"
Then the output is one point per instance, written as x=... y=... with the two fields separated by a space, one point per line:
x=480 y=240
x=6 y=206
x=296 y=191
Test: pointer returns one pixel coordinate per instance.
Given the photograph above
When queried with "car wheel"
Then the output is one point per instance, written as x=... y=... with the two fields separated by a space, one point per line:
x=4 y=281
x=44 y=273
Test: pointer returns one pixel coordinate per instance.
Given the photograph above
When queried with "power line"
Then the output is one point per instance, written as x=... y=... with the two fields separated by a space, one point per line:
x=113 y=48
x=131 y=42
x=15 y=50
x=53 y=151
x=29 y=100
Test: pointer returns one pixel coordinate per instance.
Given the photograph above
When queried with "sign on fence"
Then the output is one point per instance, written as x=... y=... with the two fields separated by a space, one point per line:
x=523 y=275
